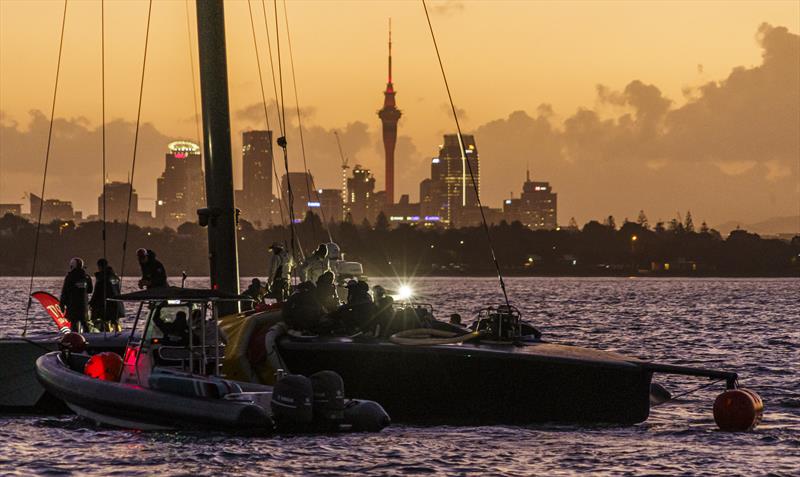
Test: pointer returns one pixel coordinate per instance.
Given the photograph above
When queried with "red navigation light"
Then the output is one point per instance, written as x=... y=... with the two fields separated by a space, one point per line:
x=180 y=155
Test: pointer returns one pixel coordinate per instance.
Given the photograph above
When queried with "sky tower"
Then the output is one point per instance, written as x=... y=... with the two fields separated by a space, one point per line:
x=389 y=115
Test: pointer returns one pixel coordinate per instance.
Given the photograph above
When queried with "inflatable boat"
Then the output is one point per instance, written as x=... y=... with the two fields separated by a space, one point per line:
x=170 y=377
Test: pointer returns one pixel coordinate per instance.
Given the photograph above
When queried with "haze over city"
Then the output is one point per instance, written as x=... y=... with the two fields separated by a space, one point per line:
x=620 y=106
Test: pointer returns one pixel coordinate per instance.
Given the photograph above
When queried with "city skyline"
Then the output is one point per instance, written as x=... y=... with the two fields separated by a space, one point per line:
x=616 y=144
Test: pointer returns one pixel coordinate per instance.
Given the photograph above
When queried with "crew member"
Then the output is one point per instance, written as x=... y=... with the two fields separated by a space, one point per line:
x=279 y=272
x=302 y=311
x=384 y=310
x=254 y=291
x=316 y=264
x=153 y=273
x=75 y=295
x=359 y=310
x=326 y=292
x=105 y=313
x=176 y=332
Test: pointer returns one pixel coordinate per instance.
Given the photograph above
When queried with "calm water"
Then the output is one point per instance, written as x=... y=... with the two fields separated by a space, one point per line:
x=749 y=326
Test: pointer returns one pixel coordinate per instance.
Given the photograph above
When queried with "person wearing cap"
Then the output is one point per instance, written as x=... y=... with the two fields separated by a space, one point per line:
x=279 y=272
x=75 y=296
x=153 y=273
x=316 y=264
x=105 y=313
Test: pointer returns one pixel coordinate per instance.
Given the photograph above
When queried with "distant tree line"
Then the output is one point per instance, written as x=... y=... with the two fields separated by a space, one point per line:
x=598 y=248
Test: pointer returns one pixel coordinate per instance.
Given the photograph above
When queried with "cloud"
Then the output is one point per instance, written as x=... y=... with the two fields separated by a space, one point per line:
x=447 y=7
x=740 y=133
x=75 y=167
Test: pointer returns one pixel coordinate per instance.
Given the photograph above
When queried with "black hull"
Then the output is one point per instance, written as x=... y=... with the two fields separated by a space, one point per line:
x=133 y=406
x=482 y=383
x=20 y=392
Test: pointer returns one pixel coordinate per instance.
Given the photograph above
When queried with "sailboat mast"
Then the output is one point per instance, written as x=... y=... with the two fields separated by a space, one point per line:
x=222 y=245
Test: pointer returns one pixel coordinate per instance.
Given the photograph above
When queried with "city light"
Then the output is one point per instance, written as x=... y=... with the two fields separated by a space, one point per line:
x=313 y=204
x=405 y=292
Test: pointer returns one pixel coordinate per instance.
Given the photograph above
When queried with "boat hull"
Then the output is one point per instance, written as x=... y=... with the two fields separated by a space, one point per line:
x=20 y=391
x=482 y=383
x=131 y=406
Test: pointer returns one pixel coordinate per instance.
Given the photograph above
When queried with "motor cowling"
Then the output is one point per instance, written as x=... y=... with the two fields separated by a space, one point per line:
x=292 y=398
x=328 y=400
x=738 y=410
x=366 y=416
x=106 y=366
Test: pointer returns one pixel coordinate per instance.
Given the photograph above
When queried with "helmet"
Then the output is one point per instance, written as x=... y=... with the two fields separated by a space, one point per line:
x=321 y=251
x=75 y=262
x=351 y=284
x=102 y=263
x=141 y=254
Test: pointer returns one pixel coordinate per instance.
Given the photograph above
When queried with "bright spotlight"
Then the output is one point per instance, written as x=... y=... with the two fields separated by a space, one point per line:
x=404 y=292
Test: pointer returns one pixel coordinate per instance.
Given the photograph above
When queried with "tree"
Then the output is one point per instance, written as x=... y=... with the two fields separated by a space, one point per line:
x=610 y=222
x=642 y=220
x=675 y=226
x=660 y=227
x=381 y=222
x=365 y=224
x=688 y=223
x=704 y=228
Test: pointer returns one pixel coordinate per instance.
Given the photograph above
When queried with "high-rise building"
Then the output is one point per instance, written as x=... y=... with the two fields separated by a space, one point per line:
x=536 y=208
x=117 y=205
x=360 y=194
x=389 y=115
x=257 y=162
x=117 y=202
x=450 y=192
x=330 y=205
x=301 y=183
x=53 y=209
x=180 y=189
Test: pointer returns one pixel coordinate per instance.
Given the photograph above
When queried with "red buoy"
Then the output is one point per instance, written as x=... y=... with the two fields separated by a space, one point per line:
x=105 y=366
x=72 y=342
x=738 y=410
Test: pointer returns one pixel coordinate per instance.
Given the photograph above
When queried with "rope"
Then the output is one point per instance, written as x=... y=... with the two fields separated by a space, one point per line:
x=464 y=159
x=691 y=391
x=136 y=140
x=46 y=164
x=427 y=336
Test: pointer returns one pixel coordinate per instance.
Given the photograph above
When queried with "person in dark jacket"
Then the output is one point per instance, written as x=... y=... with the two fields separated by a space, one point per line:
x=153 y=273
x=105 y=313
x=256 y=292
x=75 y=295
x=326 y=292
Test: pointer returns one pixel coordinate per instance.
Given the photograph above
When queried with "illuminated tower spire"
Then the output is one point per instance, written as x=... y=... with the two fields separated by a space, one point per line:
x=389 y=115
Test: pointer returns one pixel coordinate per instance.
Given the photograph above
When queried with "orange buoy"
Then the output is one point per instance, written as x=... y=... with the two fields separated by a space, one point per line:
x=105 y=366
x=738 y=410
x=72 y=342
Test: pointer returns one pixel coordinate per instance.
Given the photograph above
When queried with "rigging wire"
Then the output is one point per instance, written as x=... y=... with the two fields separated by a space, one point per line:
x=464 y=160
x=282 y=140
x=136 y=139
x=289 y=208
x=309 y=179
x=46 y=164
x=103 y=120
x=264 y=103
x=194 y=81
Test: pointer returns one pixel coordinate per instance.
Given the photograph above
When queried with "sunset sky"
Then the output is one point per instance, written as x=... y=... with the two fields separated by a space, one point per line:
x=661 y=106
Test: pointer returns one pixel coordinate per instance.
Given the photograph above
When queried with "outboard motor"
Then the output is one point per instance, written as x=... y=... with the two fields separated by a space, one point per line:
x=366 y=416
x=328 y=401
x=291 y=403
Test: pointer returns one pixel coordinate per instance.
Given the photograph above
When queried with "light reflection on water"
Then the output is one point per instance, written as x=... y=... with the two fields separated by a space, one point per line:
x=748 y=326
